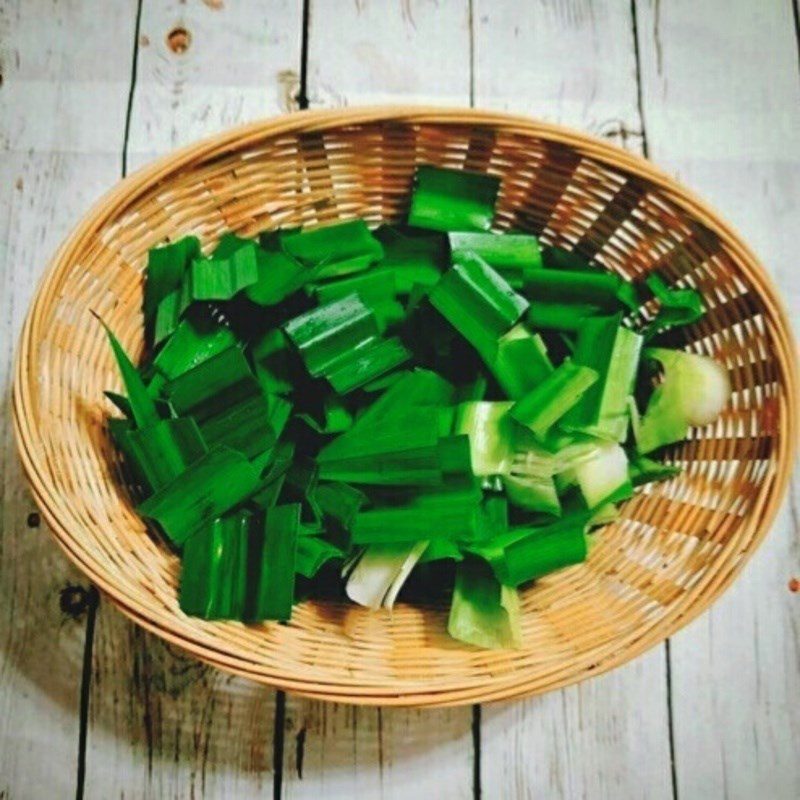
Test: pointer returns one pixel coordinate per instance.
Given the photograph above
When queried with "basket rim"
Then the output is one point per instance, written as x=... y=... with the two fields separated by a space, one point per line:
x=690 y=605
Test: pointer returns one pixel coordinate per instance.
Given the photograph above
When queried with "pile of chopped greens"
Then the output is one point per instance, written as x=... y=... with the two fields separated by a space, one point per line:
x=430 y=408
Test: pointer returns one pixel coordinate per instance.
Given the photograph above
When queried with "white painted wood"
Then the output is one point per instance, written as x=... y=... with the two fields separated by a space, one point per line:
x=56 y=156
x=371 y=52
x=572 y=62
x=161 y=724
x=721 y=94
x=242 y=63
x=340 y=752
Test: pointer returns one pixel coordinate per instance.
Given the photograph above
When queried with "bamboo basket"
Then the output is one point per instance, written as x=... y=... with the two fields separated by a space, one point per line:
x=675 y=549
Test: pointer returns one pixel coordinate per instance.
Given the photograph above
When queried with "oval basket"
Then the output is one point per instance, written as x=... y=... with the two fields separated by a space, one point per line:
x=677 y=545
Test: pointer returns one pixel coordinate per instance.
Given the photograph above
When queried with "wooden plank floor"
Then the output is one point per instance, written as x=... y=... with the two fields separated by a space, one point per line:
x=91 y=706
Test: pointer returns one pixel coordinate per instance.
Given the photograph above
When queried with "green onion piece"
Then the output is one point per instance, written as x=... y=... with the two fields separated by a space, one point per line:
x=164 y=274
x=597 y=288
x=365 y=363
x=279 y=275
x=209 y=380
x=272 y=362
x=228 y=244
x=491 y=435
x=328 y=332
x=381 y=571
x=412 y=259
x=142 y=406
x=196 y=339
x=646 y=470
x=313 y=553
x=678 y=306
x=545 y=405
x=477 y=302
x=169 y=313
x=560 y=316
x=394 y=409
x=532 y=493
x=613 y=351
x=604 y=477
x=161 y=452
x=441 y=550
x=558 y=258
x=228 y=403
x=694 y=391
x=484 y=612
x=335 y=417
x=452 y=200
x=398 y=456
x=334 y=250
x=373 y=287
x=214 y=568
x=272 y=557
x=449 y=514
x=525 y=554
x=221 y=279
x=520 y=362
x=201 y=493
x=340 y=501
x=513 y=255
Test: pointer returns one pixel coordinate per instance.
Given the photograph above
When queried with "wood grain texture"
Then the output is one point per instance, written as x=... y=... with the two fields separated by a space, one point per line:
x=371 y=52
x=607 y=738
x=721 y=99
x=161 y=724
x=56 y=158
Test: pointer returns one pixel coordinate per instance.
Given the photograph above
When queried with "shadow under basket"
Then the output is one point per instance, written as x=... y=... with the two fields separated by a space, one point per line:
x=676 y=546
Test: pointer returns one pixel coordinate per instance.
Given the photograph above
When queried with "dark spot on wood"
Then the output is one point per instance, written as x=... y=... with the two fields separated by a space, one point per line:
x=794 y=585
x=34 y=520
x=300 y=741
x=144 y=40
x=179 y=40
x=76 y=600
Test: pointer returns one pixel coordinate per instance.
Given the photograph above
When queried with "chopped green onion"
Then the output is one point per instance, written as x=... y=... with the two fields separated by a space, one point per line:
x=221 y=279
x=334 y=250
x=560 y=316
x=603 y=289
x=196 y=339
x=613 y=351
x=514 y=255
x=452 y=200
x=198 y=495
x=491 y=435
x=381 y=571
x=160 y=452
x=694 y=391
x=271 y=561
x=214 y=568
x=483 y=612
x=604 y=476
x=142 y=405
x=560 y=391
x=678 y=306
x=164 y=274
x=477 y=302
x=519 y=362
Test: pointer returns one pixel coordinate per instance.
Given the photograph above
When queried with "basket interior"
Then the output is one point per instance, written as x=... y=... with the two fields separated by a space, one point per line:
x=676 y=545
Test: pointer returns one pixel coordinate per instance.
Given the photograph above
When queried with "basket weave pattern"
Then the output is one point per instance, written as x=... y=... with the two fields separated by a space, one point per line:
x=677 y=546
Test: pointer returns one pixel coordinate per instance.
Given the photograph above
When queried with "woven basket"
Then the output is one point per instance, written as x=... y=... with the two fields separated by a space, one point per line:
x=677 y=546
